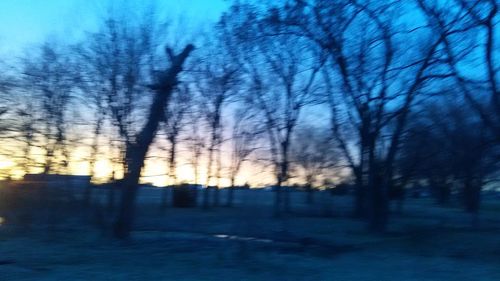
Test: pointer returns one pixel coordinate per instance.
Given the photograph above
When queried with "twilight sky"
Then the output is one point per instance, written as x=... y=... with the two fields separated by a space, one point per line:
x=27 y=22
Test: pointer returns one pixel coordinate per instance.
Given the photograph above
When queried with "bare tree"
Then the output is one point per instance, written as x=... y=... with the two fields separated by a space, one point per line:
x=195 y=141
x=175 y=121
x=469 y=33
x=48 y=76
x=378 y=79
x=116 y=66
x=457 y=151
x=283 y=75
x=28 y=131
x=136 y=151
x=315 y=154
x=4 y=89
x=216 y=81
x=9 y=125
x=91 y=83
x=245 y=137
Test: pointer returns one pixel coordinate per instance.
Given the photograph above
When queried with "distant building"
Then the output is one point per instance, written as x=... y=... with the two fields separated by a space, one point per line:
x=185 y=195
x=70 y=181
x=147 y=185
x=283 y=187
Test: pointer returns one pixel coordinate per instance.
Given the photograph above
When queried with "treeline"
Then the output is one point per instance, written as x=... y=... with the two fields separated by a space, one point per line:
x=409 y=91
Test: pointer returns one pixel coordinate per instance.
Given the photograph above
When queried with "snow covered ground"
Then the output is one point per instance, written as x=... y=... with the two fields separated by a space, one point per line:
x=425 y=242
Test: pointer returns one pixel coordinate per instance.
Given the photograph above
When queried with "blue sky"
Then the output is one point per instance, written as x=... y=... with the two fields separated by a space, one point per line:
x=27 y=22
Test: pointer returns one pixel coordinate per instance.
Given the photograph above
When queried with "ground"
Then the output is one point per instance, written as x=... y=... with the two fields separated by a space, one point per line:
x=246 y=242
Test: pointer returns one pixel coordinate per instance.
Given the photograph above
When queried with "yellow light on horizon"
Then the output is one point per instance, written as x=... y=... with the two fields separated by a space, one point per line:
x=154 y=172
x=6 y=163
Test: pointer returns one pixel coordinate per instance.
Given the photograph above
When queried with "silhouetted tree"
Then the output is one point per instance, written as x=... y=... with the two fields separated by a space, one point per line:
x=28 y=131
x=4 y=96
x=314 y=154
x=455 y=152
x=91 y=83
x=282 y=72
x=470 y=153
x=48 y=75
x=117 y=64
x=424 y=157
x=376 y=83
x=7 y=108
x=136 y=151
x=15 y=107
x=175 y=122
x=216 y=78
x=195 y=141
x=469 y=30
x=244 y=139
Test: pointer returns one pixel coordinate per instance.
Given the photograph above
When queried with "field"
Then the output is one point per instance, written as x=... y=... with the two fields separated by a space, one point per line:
x=58 y=240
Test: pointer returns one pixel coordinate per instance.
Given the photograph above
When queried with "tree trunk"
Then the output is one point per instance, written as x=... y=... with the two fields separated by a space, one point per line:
x=379 y=211
x=172 y=158
x=359 y=198
x=111 y=196
x=171 y=171
x=87 y=195
x=164 y=198
x=362 y=173
x=206 y=196
x=216 y=196
x=288 y=208
x=379 y=180
x=218 y=175
x=277 y=199
x=472 y=199
x=136 y=152
x=310 y=194
x=93 y=159
x=444 y=193
x=196 y=165
x=472 y=195
x=230 y=194
x=123 y=224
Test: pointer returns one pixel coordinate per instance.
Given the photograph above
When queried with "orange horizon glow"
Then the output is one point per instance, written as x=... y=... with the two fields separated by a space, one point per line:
x=155 y=171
